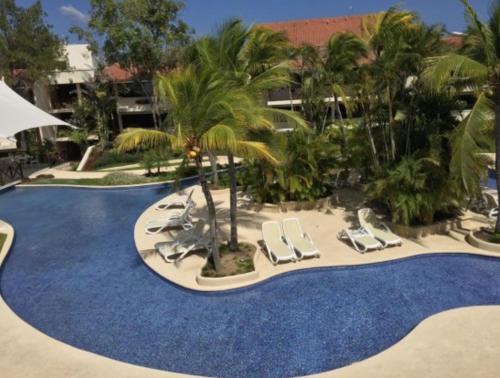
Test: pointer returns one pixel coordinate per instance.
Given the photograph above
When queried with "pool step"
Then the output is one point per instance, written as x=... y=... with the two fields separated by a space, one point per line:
x=458 y=234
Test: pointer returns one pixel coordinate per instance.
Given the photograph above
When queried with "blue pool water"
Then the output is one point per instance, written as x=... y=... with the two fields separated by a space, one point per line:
x=74 y=274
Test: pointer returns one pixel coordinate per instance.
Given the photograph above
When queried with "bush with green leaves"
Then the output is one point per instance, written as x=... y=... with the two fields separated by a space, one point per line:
x=122 y=178
x=415 y=191
x=113 y=158
x=305 y=160
x=155 y=159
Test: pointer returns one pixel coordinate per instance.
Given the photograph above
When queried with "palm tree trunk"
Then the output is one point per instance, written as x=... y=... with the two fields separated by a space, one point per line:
x=290 y=94
x=215 y=172
x=233 y=203
x=391 y=121
x=497 y=148
x=212 y=219
x=341 y=119
x=368 y=127
x=368 y=123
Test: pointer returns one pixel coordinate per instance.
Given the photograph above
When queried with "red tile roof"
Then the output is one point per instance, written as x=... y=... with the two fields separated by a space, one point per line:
x=454 y=40
x=316 y=31
x=116 y=73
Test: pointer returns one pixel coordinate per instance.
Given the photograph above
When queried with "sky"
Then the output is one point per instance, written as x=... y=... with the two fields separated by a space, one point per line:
x=205 y=15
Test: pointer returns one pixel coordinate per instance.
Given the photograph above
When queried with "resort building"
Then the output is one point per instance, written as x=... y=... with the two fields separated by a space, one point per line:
x=134 y=108
x=64 y=88
x=317 y=32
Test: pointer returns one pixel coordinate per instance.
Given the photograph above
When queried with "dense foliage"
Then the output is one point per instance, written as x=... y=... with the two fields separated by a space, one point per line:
x=415 y=191
x=380 y=120
x=302 y=174
x=29 y=49
x=474 y=68
x=142 y=36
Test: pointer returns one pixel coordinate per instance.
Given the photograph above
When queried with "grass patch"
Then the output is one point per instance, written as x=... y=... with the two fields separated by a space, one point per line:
x=3 y=237
x=494 y=238
x=488 y=235
x=109 y=180
x=139 y=165
x=111 y=159
x=233 y=263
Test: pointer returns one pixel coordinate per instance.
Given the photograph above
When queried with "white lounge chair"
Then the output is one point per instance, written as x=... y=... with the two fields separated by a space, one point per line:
x=300 y=241
x=181 y=201
x=176 y=252
x=276 y=246
x=360 y=239
x=490 y=203
x=377 y=229
x=184 y=243
x=177 y=219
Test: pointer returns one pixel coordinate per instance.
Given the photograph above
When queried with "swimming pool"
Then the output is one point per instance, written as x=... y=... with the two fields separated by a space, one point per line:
x=74 y=274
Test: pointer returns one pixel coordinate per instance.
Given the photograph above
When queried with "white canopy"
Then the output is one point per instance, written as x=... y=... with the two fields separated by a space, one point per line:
x=17 y=114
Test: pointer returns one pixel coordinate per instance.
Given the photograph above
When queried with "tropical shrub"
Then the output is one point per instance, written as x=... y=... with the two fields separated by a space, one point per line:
x=113 y=158
x=154 y=159
x=122 y=178
x=415 y=191
x=305 y=162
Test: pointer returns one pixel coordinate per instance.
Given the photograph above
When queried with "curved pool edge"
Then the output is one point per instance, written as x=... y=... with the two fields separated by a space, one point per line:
x=28 y=352
x=460 y=342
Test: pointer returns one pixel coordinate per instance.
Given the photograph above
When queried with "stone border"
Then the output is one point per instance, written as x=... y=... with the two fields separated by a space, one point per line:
x=230 y=280
x=284 y=207
x=479 y=243
x=417 y=232
x=7 y=229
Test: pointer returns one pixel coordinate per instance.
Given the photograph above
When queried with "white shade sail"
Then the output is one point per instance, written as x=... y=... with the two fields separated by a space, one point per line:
x=17 y=114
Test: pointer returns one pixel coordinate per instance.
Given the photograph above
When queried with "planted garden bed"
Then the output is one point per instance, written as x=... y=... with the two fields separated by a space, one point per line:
x=484 y=239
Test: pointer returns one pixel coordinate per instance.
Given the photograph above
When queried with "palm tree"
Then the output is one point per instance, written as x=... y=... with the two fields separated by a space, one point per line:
x=343 y=53
x=252 y=60
x=384 y=34
x=205 y=116
x=476 y=68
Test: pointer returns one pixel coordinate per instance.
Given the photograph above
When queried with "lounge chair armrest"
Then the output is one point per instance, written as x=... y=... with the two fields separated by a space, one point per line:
x=493 y=213
x=308 y=237
x=383 y=225
x=288 y=242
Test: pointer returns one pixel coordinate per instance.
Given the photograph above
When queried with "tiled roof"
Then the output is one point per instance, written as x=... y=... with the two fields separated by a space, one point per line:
x=116 y=73
x=454 y=40
x=316 y=31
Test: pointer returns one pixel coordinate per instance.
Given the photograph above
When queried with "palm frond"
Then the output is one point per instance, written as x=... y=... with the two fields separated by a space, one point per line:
x=131 y=139
x=293 y=118
x=479 y=37
x=468 y=140
x=443 y=70
x=220 y=137
x=255 y=150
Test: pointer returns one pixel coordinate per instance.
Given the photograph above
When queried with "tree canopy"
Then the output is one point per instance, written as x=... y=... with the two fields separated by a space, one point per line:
x=29 y=49
x=141 y=34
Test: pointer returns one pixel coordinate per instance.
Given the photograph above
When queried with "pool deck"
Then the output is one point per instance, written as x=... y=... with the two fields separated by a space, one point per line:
x=322 y=226
x=457 y=343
